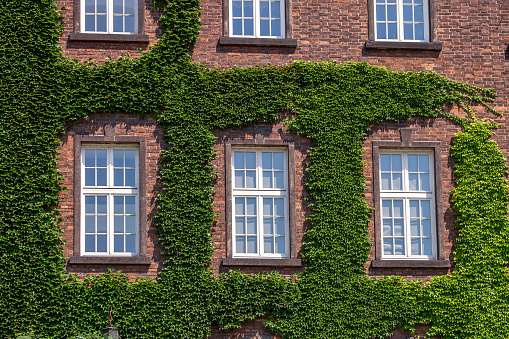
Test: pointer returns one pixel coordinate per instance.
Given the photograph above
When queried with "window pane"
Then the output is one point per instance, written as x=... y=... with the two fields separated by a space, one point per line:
x=419 y=32
x=425 y=209
x=89 y=177
x=385 y=162
x=129 y=6
x=413 y=182
x=119 y=243
x=89 y=158
x=275 y=9
x=424 y=182
x=118 y=23
x=238 y=160
x=248 y=26
x=102 y=224
x=265 y=27
x=386 y=208
x=418 y=2
x=396 y=162
x=240 y=244
x=239 y=179
x=248 y=9
x=279 y=205
x=381 y=33
x=250 y=160
x=118 y=158
x=240 y=227
x=387 y=227
x=264 y=9
x=102 y=178
x=267 y=179
x=118 y=7
x=119 y=224
x=399 y=246
x=251 y=206
x=380 y=12
x=130 y=177
x=418 y=14
x=250 y=179
x=130 y=243
x=102 y=245
x=118 y=203
x=409 y=31
x=275 y=28
x=279 y=181
x=101 y=6
x=268 y=245
x=426 y=227
x=280 y=245
x=412 y=163
x=237 y=26
x=280 y=226
x=252 y=245
x=129 y=24
x=266 y=160
x=414 y=228
x=239 y=206
x=89 y=6
x=118 y=177
x=423 y=163
x=101 y=26
x=236 y=9
x=89 y=243
x=398 y=208
x=267 y=226
x=101 y=158
x=427 y=248
x=416 y=246
x=130 y=205
x=90 y=204
x=391 y=13
x=90 y=224
x=392 y=31
x=102 y=204
x=89 y=24
x=407 y=13
x=388 y=246
x=399 y=229
x=278 y=161
x=251 y=225
x=397 y=181
x=130 y=157
x=130 y=224
x=267 y=206
x=386 y=181
x=414 y=208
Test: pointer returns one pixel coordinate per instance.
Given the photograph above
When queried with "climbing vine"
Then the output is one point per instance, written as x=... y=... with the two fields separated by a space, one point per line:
x=43 y=93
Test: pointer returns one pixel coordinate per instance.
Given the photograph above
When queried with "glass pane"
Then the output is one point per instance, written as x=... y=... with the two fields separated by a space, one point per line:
x=129 y=7
x=418 y=14
x=399 y=230
x=240 y=227
x=279 y=205
x=118 y=158
x=391 y=1
x=90 y=204
x=392 y=31
x=102 y=178
x=386 y=208
x=280 y=245
x=130 y=243
x=407 y=13
x=237 y=30
x=419 y=32
x=238 y=160
x=250 y=160
x=102 y=206
x=414 y=208
x=388 y=246
x=426 y=227
x=102 y=245
x=380 y=1
x=118 y=205
x=251 y=245
x=251 y=225
x=413 y=181
x=118 y=7
x=89 y=177
x=130 y=205
x=386 y=181
x=391 y=13
x=267 y=206
x=415 y=230
x=416 y=246
x=424 y=182
x=265 y=27
x=267 y=179
x=239 y=206
x=248 y=9
x=385 y=162
x=130 y=159
x=101 y=27
x=409 y=31
x=130 y=177
x=248 y=30
x=278 y=161
x=89 y=6
x=380 y=12
x=101 y=158
x=423 y=163
x=267 y=226
x=268 y=245
x=397 y=183
x=251 y=206
x=102 y=224
x=399 y=246
x=236 y=9
x=119 y=224
x=118 y=177
x=412 y=163
x=425 y=209
x=275 y=28
x=119 y=243
x=264 y=9
x=118 y=24
x=239 y=179
x=90 y=224
x=280 y=226
x=130 y=224
x=381 y=34
x=387 y=227
x=101 y=6
x=427 y=248
x=89 y=243
x=396 y=162
x=250 y=179
x=89 y=25
x=275 y=9
x=398 y=208
x=407 y=1
x=266 y=160
x=240 y=244
x=418 y=2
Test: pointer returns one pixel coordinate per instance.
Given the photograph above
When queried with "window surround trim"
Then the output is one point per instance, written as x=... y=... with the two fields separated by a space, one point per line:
x=77 y=258
x=292 y=259
x=406 y=143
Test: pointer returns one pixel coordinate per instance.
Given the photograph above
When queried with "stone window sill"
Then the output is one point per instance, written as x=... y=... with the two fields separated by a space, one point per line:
x=262 y=262
x=227 y=41
x=141 y=38
x=410 y=263
x=418 y=46
x=110 y=260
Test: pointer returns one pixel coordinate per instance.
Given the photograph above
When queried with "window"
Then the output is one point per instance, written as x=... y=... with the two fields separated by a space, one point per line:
x=257 y=18
x=109 y=16
x=402 y=20
x=110 y=200
x=408 y=202
x=260 y=195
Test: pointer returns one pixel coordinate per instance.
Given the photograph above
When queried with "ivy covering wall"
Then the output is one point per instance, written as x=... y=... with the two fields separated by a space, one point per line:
x=333 y=104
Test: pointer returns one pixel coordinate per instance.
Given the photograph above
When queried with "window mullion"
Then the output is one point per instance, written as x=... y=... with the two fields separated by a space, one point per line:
x=406 y=215
x=401 y=36
x=259 y=225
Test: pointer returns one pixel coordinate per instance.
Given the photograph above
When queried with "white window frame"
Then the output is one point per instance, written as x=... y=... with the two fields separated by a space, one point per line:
x=110 y=191
x=109 y=18
x=256 y=21
x=406 y=195
x=259 y=193
x=400 y=22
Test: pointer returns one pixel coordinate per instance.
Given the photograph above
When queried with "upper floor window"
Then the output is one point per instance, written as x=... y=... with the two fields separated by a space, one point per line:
x=257 y=18
x=109 y=16
x=402 y=20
